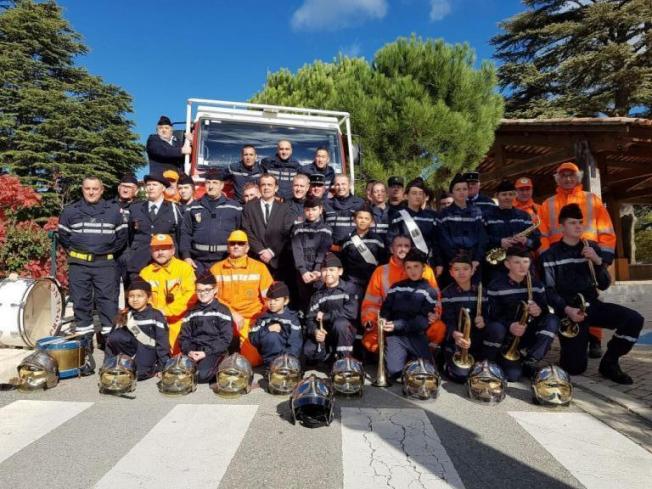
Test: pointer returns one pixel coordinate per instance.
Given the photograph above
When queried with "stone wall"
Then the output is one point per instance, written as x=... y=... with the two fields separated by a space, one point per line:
x=635 y=294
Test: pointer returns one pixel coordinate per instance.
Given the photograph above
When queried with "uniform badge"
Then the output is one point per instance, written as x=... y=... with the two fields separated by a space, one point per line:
x=136 y=225
x=198 y=217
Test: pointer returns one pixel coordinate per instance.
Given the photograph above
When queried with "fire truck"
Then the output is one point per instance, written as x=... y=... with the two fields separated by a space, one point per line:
x=220 y=129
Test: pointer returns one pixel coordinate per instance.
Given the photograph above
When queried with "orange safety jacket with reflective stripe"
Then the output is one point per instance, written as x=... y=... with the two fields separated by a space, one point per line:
x=597 y=222
x=381 y=280
x=528 y=206
x=242 y=284
x=173 y=293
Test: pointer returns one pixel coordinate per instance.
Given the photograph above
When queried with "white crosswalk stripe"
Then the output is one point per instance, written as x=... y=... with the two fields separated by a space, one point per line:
x=191 y=446
x=393 y=448
x=23 y=422
x=597 y=455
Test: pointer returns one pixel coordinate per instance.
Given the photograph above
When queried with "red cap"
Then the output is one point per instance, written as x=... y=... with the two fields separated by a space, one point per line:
x=568 y=166
x=523 y=182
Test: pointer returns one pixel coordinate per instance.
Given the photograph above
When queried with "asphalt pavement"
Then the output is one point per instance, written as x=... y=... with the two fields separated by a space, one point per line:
x=73 y=437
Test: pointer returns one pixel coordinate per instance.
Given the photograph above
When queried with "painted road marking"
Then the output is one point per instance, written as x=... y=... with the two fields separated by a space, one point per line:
x=191 y=446
x=595 y=454
x=394 y=448
x=23 y=422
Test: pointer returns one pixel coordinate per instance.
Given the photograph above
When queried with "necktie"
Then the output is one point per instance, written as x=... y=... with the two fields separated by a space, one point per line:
x=266 y=214
x=152 y=212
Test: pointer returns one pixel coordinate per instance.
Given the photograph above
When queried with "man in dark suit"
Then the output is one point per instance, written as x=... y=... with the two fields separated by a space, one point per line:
x=268 y=223
x=164 y=150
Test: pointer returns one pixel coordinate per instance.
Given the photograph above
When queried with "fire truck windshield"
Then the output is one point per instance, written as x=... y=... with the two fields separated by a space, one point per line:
x=220 y=142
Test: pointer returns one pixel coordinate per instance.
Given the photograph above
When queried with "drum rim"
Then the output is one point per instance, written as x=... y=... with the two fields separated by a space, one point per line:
x=64 y=345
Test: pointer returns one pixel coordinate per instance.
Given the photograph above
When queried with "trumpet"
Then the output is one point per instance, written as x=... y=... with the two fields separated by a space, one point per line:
x=322 y=343
x=569 y=328
x=462 y=359
x=496 y=255
x=381 y=377
x=513 y=354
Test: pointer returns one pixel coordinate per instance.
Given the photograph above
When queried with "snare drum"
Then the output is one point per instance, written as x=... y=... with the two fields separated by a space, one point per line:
x=69 y=354
x=30 y=309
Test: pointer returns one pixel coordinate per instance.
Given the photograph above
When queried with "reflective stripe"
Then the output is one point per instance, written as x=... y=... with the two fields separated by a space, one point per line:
x=209 y=248
x=489 y=343
x=461 y=299
x=334 y=297
x=414 y=291
x=93 y=225
x=631 y=339
x=147 y=322
x=514 y=291
x=61 y=226
x=386 y=284
x=608 y=249
x=588 y=218
x=552 y=217
x=372 y=298
x=545 y=332
x=238 y=277
x=344 y=348
x=565 y=261
x=460 y=219
x=84 y=329
x=206 y=314
x=312 y=231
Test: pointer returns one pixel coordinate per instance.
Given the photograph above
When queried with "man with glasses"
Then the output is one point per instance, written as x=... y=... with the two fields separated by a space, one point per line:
x=242 y=286
x=597 y=225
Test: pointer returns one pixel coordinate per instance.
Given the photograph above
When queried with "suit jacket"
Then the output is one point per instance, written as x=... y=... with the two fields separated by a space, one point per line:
x=275 y=236
x=163 y=155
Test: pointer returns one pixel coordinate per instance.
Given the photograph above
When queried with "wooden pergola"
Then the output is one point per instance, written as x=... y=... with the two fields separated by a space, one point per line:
x=614 y=152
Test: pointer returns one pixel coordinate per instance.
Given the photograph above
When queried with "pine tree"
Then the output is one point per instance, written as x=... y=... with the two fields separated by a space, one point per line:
x=57 y=121
x=577 y=58
x=418 y=106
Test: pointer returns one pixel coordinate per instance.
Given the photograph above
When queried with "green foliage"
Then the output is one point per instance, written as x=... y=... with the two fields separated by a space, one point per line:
x=417 y=102
x=57 y=121
x=577 y=58
x=24 y=243
x=643 y=233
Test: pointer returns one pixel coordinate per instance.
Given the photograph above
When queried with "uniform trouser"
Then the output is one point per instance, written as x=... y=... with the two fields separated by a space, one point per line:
x=93 y=284
x=205 y=262
x=207 y=367
x=340 y=337
x=122 y=274
x=304 y=293
x=627 y=323
x=536 y=340
x=272 y=345
x=121 y=340
x=400 y=348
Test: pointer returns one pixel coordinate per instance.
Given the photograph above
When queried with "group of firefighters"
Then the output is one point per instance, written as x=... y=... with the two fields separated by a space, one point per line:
x=295 y=263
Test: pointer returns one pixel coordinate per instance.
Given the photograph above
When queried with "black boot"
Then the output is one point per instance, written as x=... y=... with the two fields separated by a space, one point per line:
x=611 y=370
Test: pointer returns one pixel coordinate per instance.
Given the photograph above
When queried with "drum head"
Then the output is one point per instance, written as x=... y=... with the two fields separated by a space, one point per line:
x=42 y=311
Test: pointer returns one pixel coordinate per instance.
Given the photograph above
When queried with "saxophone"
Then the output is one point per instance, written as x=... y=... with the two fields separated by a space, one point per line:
x=496 y=255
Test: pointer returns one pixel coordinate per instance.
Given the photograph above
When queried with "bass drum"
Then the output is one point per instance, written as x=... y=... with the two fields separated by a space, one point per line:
x=30 y=309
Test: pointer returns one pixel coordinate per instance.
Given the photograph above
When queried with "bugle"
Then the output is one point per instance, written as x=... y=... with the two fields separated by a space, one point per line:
x=381 y=377
x=513 y=354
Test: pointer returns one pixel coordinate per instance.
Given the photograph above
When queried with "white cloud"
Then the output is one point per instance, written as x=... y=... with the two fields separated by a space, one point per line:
x=336 y=14
x=439 y=9
x=353 y=50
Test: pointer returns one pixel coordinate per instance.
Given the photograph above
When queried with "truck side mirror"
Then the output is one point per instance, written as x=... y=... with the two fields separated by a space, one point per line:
x=356 y=149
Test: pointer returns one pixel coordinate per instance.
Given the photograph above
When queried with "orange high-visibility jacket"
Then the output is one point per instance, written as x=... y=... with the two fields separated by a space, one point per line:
x=381 y=280
x=597 y=222
x=242 y=284
x=173 y=293
x=529 y=206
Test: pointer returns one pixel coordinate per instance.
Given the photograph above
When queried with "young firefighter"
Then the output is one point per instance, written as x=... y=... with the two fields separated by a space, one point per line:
x=332 y=311
x=406 y=310
x=567 y=273
x=363 y=251
x=505 y=295
x=207 y=329
x=278 y=330
x=311 y=240
x=141 y=332
x=463 y=293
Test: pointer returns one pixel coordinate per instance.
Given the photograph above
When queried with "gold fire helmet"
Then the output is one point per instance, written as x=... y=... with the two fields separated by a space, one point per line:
x=347 y=376
x=551 y=386
x=284 y=374
x=118 y=375
x=234 y=376
x=38 y=370
x=420 y=380
x=487 y=382
x=312 y=402
x=179 y=376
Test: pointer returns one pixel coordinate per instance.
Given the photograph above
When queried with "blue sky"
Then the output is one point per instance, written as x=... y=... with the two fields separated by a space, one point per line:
x=163 y=52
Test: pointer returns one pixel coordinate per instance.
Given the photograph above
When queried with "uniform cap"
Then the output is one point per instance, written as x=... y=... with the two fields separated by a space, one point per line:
x=214 y=174
x=317 y=179
x=238 y=235
x=164 y=121
x=505 y=186
x=171 y=175
x=523 y=182
x=278 y=290
x=186 y=180
x=331 y=260
x=568 y=166
x=458 y=178
x=417 y=182
x=157 y=177
x=162 y=240
x=521 y=251
x=129 y=178
x=472 y=176
x=395 y=181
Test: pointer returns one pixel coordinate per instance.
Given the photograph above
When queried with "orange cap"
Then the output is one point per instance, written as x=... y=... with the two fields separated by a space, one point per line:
x=568 y=166
x=523 y=182
x=237 y=235
x=162 y=240
x=171 y=175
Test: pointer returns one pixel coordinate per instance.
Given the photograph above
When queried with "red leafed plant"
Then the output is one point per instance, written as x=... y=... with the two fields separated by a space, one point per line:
x=24 y=245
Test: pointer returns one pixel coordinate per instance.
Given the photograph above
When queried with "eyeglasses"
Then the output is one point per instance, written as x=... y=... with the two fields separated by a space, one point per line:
x=205 y=291
x=237 y=243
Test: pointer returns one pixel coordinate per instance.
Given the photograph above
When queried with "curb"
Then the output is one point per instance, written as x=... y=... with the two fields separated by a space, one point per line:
x=633 y=405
